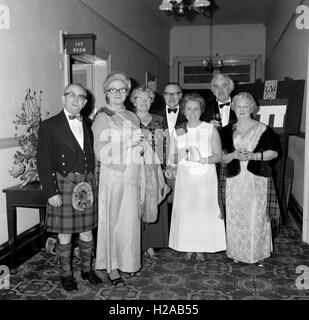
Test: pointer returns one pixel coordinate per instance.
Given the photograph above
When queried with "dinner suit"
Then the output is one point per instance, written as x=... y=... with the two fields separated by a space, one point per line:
x=212 y=109
x=162 y=112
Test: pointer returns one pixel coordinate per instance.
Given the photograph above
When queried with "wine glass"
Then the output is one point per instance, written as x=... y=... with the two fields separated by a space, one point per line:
x=187 y=151
x=217 y=118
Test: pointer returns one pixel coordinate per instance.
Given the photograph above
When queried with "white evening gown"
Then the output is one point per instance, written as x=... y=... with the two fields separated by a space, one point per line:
x=195 y=224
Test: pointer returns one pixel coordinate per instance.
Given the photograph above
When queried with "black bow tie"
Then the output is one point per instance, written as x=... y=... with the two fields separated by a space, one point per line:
x=224 y=104
x=169 y=110
x=75 y=116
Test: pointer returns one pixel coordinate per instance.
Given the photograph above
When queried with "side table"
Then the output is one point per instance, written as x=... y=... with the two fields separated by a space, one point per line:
x=29 y=196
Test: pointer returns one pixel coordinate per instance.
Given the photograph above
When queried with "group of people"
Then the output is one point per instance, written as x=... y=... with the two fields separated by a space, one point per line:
x=223 y=196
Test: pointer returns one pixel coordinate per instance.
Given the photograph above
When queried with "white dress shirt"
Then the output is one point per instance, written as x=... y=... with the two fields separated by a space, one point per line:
x=225 y=113
x=171 y=118
x=76 y=127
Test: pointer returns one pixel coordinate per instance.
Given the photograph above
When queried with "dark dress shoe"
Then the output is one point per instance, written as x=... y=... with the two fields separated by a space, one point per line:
x=69 y=283
x=91 y=277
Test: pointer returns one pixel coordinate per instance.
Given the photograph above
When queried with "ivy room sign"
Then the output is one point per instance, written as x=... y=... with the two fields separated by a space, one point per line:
x=79 y=43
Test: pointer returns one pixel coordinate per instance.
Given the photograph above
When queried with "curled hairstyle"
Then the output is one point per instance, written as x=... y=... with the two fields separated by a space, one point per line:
x=222 y=76
x=119 y=75
x=251 y=101
x=139 y=89
x=194 y=96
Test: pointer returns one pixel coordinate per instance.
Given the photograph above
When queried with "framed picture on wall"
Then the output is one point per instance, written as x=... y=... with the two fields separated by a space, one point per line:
x=272 y=112
x=151 y=81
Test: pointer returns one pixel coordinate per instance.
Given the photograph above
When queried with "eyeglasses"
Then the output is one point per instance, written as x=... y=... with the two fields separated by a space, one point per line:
x=171 y=94
x=140 y=99
x=72 y=95
x=114 y=90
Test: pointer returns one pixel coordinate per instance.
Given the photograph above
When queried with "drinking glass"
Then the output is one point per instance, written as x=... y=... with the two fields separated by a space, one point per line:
x=217 y=118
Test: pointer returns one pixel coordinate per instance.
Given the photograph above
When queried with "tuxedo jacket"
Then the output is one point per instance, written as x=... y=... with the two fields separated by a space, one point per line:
x=161 y=112
x=213 y=108
x=59 y=151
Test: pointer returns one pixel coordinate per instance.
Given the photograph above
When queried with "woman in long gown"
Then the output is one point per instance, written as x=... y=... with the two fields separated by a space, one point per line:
x=249 y=146
x=196 y=225
x=118 y=144
x=154 y=235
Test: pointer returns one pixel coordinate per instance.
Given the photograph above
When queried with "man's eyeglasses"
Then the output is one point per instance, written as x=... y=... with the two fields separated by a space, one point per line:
x=114 y=90
x=72 y=95
x=140 y=99
x=171 y=94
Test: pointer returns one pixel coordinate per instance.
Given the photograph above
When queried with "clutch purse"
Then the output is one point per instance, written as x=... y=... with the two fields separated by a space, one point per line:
x=261 y=167
x=265 y=168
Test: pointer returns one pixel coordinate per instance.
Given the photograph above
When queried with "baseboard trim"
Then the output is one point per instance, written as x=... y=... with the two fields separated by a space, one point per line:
x=296 y=213
x=24 y=239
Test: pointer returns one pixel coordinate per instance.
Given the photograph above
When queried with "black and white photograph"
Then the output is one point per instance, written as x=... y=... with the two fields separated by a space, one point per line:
x=154 y=154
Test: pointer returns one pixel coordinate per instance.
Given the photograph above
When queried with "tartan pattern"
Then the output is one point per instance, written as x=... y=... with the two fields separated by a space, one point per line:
x=66 y=219
x=97 y=178
x=272 y=206
x=221 y=167
x=85 y=248
x=64 y=255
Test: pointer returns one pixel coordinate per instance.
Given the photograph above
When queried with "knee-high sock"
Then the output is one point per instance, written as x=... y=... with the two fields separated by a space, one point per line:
x=85 y=248
x=64 y=254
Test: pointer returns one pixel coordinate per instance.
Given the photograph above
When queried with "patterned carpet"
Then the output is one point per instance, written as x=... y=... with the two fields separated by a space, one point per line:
x=171 y=278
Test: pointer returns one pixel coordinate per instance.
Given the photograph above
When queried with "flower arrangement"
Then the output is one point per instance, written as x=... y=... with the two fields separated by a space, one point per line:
x=25 y=163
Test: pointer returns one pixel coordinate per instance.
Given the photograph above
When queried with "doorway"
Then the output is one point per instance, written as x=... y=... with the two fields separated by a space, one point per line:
x=90 y=71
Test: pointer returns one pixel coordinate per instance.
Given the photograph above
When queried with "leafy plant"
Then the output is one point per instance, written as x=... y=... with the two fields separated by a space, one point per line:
x=25 y=162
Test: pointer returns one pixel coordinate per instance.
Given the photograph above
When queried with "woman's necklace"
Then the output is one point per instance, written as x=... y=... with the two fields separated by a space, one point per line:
x=245 y=128
x=116 y=107
x=145 y=118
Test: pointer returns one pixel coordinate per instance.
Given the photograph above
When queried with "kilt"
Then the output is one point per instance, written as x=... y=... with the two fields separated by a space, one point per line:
x=272 y=206
x=66 y=219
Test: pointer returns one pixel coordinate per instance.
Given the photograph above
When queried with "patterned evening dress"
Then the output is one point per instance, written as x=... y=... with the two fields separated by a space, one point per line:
x=248 y=226
x=155 y=235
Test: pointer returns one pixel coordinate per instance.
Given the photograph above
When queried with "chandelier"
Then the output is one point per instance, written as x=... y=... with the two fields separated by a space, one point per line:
x=211 y=65
x=178 y=7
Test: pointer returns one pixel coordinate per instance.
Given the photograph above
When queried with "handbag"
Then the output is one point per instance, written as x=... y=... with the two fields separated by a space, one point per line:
x=155 y=193
x=265 y=169
x=153 y=188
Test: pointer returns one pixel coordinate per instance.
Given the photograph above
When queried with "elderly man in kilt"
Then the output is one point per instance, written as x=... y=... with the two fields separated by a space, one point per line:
x=66 y=164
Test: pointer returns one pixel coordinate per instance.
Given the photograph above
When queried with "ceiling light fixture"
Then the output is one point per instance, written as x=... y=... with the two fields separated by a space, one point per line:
x=178 y=7
x=210 y=64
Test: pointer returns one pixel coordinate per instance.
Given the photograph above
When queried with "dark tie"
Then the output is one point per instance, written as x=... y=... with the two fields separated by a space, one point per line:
x=169 y=110
x=224 y=104
x=75 y=116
